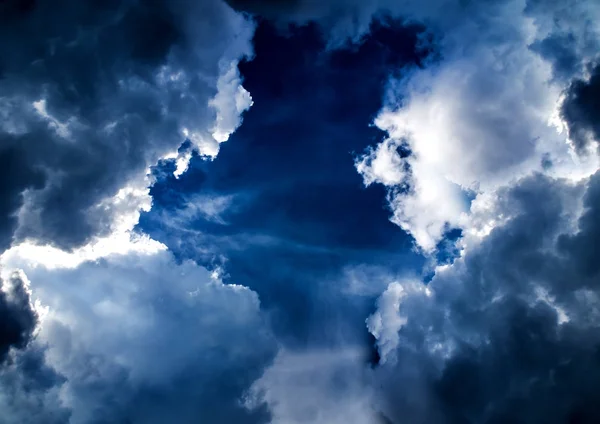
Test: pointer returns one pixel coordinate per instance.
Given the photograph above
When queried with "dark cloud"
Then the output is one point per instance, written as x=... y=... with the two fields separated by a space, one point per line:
x=30 y=390
x=15 y=177
x=581 y=110
x=509 y=332
x=17 y=317
x=28 y=386
x=561 y=50
x=89 y=100
x=266 y=8
x=282 y=202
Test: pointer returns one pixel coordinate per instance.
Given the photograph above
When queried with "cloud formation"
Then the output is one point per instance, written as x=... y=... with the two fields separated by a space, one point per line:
x=581 y=111
x=508 y=332
x=485 y=114
x=282 y=292
x=92 y=95
x=131 y=328
x=482 y=140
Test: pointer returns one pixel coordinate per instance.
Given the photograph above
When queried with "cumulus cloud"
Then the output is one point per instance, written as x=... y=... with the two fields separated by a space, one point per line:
x=92 y=95
x=508 y=332
x=230 y=102
x=486 y=113
x=129 y=328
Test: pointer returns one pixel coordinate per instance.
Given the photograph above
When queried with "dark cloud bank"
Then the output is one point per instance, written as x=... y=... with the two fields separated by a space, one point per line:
x=509 y=333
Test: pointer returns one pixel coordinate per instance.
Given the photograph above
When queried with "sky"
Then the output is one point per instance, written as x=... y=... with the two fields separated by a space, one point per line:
x=294 y=212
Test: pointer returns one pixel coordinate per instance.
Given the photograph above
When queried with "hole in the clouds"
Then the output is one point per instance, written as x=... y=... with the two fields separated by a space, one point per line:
x=299 y=209
x=446 y=249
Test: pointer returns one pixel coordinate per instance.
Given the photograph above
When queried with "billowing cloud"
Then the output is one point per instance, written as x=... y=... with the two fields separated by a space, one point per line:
x=280 y=271
x=508 y=332
x=231 y=100
x=92 y=95
x=485 y=114
x=130 y=328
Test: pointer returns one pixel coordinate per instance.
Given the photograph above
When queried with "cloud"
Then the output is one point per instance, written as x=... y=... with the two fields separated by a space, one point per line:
x=129 y=328
x=231 y=100
x=486 y=113
x=115 y=326
x=28 y=387
x=508 y=332
x=581 y=111
x=92 y=95
x=30 y=390
x=17 y=313
x=320 y=387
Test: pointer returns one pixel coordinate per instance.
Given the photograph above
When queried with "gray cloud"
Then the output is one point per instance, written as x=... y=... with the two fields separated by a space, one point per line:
x=508 y=333
x=17 y=316
x=28 y=387
x=30 y=390
x=91 y=94
x=581 y=110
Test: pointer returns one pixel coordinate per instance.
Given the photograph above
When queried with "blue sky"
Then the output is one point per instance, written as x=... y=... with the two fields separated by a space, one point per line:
x=291 y=214
x=261 y=212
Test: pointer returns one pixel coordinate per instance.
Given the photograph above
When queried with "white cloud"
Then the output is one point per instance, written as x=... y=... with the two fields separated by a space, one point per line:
x=231 y=101
x=480 y=118
x=386 y=322
x=316 y=387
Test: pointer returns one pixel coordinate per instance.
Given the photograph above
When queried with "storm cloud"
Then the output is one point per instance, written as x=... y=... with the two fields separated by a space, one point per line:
x=507 y=332
x=93 y=94
x=581 y=111
x=17 y=314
